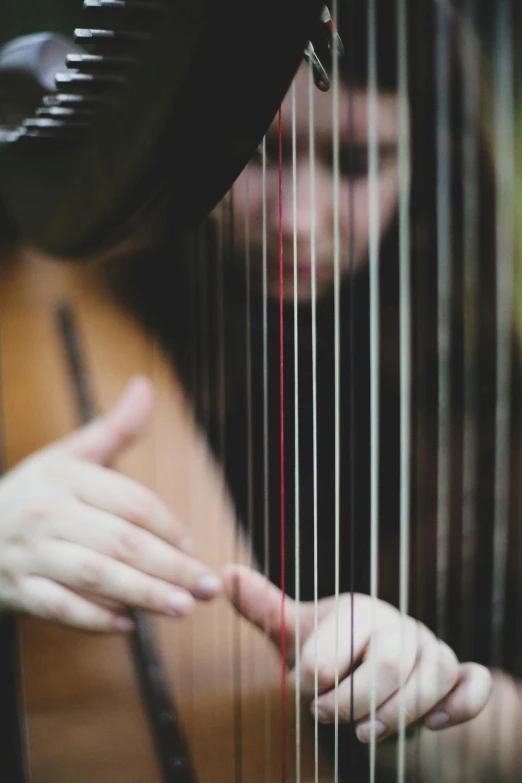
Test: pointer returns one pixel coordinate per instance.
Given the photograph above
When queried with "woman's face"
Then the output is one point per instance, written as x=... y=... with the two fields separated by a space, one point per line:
x=353 y=185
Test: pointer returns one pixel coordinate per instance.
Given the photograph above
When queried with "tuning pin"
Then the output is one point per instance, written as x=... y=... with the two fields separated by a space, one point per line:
x=100 y=36
x=125 y=5
x=334 y=39
x=320 y=76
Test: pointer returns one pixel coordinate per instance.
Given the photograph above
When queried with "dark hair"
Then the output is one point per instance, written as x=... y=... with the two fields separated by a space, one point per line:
x=428 y=19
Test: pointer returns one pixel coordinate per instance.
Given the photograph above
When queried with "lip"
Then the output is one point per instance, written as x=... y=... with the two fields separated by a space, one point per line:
x=304 y=268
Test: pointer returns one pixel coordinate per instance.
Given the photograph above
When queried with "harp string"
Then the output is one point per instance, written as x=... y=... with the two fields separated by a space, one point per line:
x=373 y=208
x=504 y=167
x=405 y=350
x=248 y=348
x=351 y=309
x=297 y=551
x=311 y=131
x=266 y=508
x=469 y=449
x=444 y=269
x=444 y=321
x=337 y=375
x=471 y=98
x=282 y=446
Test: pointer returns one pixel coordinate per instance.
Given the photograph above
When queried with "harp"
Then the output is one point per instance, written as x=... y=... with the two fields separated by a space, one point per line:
x=374 y=416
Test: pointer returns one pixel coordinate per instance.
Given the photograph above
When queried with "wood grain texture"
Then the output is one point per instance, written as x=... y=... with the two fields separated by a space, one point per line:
x=85 y=721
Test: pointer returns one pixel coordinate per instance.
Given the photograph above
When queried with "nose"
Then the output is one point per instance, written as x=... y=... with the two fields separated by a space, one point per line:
x=298 y=219
x=296 y=204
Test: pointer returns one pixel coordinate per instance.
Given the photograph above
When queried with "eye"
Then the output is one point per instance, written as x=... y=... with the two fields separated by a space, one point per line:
x=353 y=161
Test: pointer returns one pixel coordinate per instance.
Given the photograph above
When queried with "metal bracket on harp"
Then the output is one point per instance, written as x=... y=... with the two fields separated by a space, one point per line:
x=327 y=33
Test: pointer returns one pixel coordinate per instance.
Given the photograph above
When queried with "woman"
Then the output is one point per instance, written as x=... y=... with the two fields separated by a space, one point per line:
x=223 y=364
x=215 y=358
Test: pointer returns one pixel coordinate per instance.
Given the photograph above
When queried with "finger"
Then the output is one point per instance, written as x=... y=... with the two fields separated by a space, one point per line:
x=76 y=567
x=338 y=644
x=388 y=660
x=434 y=675
x=467 y=699
x=110 y=491
x=105 y=437
x=261 y=602
x=120 y=540
x=50 y=601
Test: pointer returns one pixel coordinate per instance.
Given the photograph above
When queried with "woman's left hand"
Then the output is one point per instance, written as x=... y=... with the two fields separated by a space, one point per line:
x=378 y=650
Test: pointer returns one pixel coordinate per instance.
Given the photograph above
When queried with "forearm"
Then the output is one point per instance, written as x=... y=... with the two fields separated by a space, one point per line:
x=487 y=748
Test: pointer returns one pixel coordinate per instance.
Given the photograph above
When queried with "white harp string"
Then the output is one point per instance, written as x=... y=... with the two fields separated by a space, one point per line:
x=444 y=271
x=405 y=352
x=248 y=284
x=373 y=209
x=311 y=131
x=296 y=452
x=266 y=536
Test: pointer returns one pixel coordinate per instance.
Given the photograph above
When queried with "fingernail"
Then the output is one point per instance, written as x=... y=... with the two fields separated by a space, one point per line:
x=187 y=545
x=207 y=586
x=364 y=730
x=437 y=720
x=179 y=603
x=123 y=623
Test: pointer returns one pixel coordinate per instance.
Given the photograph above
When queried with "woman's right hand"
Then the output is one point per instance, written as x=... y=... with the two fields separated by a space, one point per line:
x=79 y=542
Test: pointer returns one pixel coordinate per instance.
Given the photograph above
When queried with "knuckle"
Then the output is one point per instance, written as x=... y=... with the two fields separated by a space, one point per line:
x=446 y=664
x=38 y=511
x=390 y=671
x=143 y=507
x=12 y=563
x=58 y=469
x=150 y=597
x=128 y=545
x=325 y=674
x=53 y=608
x=345 y=711
x=92 y=573
x=324 y=671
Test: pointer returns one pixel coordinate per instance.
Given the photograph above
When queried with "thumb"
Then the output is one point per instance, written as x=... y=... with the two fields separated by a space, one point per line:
x=106 y=436
x=261 y=602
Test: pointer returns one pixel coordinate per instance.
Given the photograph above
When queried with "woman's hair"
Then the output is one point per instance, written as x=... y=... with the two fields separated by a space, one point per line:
x=437 y=38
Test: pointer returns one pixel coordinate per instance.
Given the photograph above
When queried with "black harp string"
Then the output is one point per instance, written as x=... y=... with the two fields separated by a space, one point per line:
x=171 y=747
x=470 y=145
x=374 y=326
x=337 y=371
x=405 y=356
x=504 y=168
x=503 y=111
x=470 y=148
x=311 y=148
x=444 y=272
x=444 y=229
